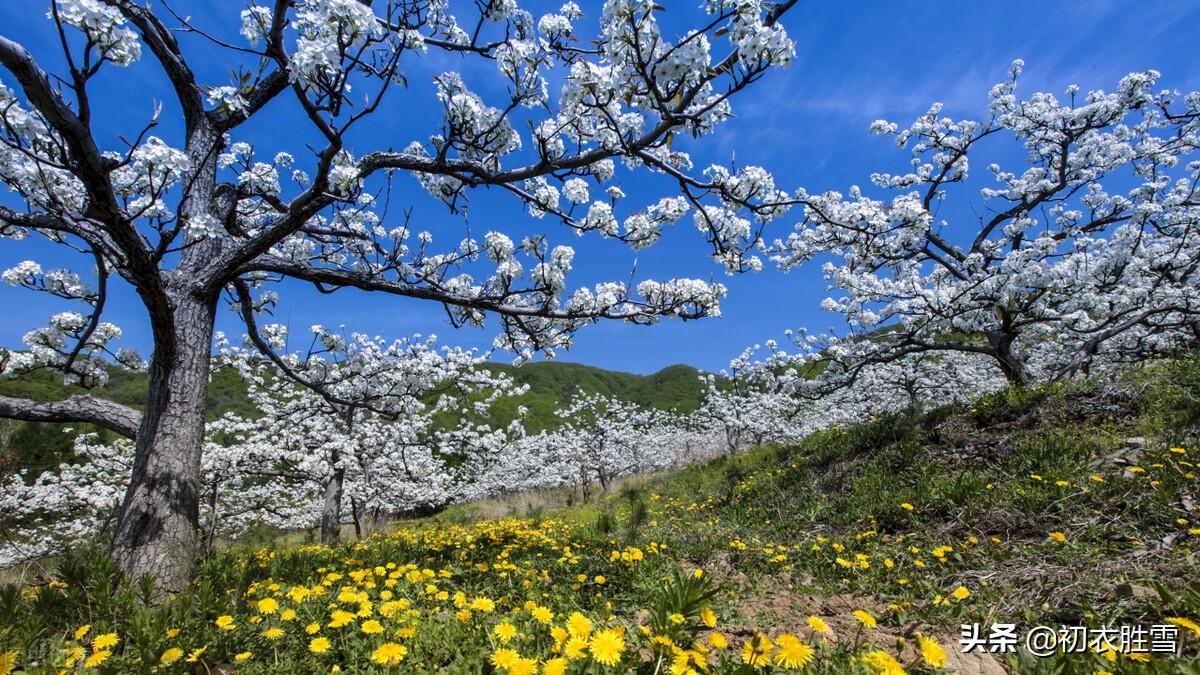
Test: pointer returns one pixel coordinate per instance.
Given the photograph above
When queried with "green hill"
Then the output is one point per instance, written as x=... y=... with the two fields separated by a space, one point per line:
x=39 y=446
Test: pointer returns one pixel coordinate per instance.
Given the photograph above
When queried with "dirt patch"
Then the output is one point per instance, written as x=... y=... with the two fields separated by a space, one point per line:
x=776 y=610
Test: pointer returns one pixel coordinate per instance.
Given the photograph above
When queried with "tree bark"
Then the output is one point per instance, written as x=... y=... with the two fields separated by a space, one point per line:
x=1011 y=363
x=156 y=532
x=331 y=511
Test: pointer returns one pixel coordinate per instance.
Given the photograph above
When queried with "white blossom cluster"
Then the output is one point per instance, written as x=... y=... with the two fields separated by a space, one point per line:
x=1086 y=255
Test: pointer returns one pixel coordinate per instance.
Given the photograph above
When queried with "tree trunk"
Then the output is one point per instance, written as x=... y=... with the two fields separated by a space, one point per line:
x=331 y=511
x=156 y=531
x=1010 y=362
x=356 y=514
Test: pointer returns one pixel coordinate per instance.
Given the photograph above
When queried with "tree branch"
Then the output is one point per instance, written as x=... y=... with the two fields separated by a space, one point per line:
x=76 y=408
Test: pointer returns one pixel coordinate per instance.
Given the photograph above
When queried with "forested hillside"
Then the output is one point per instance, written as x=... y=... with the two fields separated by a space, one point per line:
x=40 y=446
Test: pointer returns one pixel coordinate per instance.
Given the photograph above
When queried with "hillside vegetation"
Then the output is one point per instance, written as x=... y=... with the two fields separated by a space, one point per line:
x=39 y=447
x=856 y=550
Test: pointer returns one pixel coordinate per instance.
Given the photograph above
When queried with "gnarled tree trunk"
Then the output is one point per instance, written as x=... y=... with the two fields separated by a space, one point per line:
x=156 y=532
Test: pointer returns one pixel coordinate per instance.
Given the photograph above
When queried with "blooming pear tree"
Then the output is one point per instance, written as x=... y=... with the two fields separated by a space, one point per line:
x=1088 y=252
x=603 y=438
x=213 y=214
x=363 y=419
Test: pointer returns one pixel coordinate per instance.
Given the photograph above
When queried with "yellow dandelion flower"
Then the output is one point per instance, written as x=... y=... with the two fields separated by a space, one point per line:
x=243 y=657
x=319 y=645
x=483 y=605
x=865 y=618
x=961 y=593
x=522 y=667
x=1059 y=537
x=931 y=652
x=8 y=662
x=607 y=646
x=542 y=615
x=174 y=632
x=708 y=617
x=224 y=622
x=718 y=640
x=171 y=655
x=1187 y=624
x=93 y=661
x=504 y=658
x=882 y=663
x=74 y=654
x=82 y=631
x=389 y=654
x=575 y=648
x=505 y=632
x=792 y=652
x=372 y=627
x=578 y=625
x=312 y=628
x=268 y=606
x=105 y=641
x=817 y=624
x=756 y=652
x=273 y=633
x=557 y=666
x=196 y=654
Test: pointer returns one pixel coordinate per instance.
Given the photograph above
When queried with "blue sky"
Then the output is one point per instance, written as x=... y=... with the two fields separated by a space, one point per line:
x=856 y=62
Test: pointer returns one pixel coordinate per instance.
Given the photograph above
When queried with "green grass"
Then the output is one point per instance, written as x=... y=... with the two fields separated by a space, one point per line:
x=1062 y=505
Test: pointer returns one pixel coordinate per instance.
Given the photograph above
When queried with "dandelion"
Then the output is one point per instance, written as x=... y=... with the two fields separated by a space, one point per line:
x=504 y=658
x=312 y=628
x=8 y=662
x=105 y=641
x=505 y=632
x=1187 y=624
x=718 y=640
x=389 y=654
x=483 y=605
x=268 y=606
x=756 y=651
x=243 y=657
x=882 y=662
x=578 y=625
x=523 y=666
x=961 y=593
x=708 y=617
x=170 y=656
x=556 y=666
x=906 y=506
x=82 y=631
x=575 y=647
x=865 y=618
x=600 y=579
x=273 y=633
x=319 y=645
x=607 y=646
x=792 y=652
x=372 y=627
x=224 y=622
x=817 y=624
x=74 y=654
x=542 y=615
x=931 y=652
x=196 y=654
x=98 y=657
x=173 y=633
x=1059 y=537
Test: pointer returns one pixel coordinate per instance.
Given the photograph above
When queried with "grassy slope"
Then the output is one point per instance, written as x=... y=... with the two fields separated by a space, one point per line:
x=824 y=527
x=821 y=528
